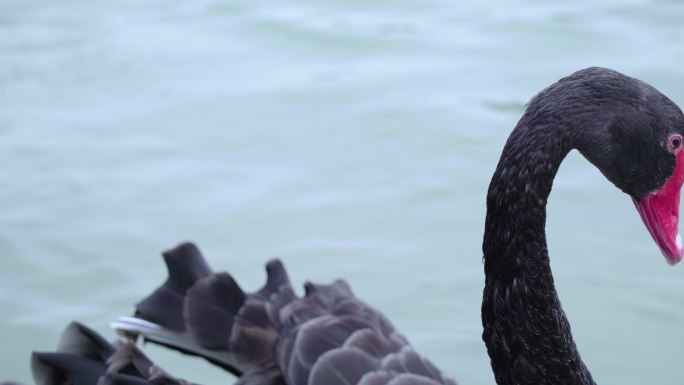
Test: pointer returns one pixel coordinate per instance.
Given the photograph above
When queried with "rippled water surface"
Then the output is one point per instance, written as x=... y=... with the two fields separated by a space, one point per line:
x=350 y=138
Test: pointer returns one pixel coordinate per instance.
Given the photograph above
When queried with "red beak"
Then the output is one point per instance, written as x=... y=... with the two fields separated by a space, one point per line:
x=660 y=213
x=661 y=217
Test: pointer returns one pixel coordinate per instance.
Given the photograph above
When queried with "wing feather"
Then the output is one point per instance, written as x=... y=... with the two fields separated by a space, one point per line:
x=274 y=337
x=342 y=366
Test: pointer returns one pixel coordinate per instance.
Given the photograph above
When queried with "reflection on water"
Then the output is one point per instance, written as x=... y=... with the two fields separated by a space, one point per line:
x=352 y=139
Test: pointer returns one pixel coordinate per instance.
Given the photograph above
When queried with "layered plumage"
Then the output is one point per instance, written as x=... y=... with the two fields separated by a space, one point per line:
x=273 y=336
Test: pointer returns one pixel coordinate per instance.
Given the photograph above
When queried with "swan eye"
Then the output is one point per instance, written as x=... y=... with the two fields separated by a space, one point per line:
x=675 y=142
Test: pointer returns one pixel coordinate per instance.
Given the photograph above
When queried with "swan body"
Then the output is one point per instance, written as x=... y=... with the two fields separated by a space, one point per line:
x=625 y=127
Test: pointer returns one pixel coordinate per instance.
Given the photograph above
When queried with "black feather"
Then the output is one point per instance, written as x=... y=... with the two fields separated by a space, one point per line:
x=85 y=358
x=164 y=306
x=210 y=308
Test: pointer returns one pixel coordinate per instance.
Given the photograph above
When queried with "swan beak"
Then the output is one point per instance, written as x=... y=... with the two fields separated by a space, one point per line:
x=660 y=213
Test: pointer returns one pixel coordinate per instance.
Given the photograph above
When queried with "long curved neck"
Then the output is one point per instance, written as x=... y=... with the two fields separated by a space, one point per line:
x=525 y=329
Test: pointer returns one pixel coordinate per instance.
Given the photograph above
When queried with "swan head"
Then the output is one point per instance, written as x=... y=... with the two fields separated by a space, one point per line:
x=653 y=146
x=635 y=136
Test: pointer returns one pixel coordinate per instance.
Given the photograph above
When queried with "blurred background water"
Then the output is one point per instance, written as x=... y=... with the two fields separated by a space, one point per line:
x=350 y=138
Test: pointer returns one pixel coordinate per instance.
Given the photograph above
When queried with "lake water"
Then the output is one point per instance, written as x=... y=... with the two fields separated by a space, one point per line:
x=352 y=139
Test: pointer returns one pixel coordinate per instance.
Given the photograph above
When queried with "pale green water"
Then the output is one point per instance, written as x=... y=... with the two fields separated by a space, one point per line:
x=351 y=138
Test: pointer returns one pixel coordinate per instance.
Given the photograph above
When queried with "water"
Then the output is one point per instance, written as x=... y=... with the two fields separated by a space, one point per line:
x=351 y=138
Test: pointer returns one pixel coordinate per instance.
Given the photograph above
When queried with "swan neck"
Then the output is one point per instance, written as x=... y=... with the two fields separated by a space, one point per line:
x=527 y=335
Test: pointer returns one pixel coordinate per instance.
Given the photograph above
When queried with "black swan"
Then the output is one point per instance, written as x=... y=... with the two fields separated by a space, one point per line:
x=625 y=127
